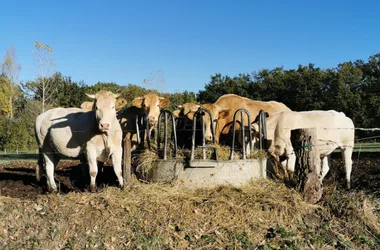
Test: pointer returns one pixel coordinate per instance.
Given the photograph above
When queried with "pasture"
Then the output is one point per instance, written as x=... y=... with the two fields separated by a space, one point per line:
x=262 y=215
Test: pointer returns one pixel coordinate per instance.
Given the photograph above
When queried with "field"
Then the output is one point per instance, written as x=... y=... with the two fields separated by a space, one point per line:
x=262 y=215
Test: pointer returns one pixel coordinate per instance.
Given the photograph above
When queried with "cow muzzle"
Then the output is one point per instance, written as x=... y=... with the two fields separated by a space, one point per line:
x=152 y=121
x=104 y=126
x=208 y=138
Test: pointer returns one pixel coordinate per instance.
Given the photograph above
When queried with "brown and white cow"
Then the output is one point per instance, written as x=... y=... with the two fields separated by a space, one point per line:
x=224 y=108
x=150 y=104
x=74 y=132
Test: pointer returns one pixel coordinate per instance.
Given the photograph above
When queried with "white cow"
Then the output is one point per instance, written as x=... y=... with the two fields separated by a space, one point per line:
x=74 y=132
x=334 y=130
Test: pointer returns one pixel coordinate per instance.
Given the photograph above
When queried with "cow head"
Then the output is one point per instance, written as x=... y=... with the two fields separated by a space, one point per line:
x=188 y=109
x=105 y=105
x=186 y=113
x=152 y=104
x=255 y=125
x=218 y=113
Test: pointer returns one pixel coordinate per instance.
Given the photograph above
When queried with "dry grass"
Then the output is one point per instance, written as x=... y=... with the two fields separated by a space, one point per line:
x=144 y=161
x=263 y=215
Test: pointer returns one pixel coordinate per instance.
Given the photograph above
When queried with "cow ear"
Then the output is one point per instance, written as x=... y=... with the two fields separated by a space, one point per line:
x=90 y=96
x=120 y=103
x=256 y=119
x=224 y=113
x=164 y=102
x=176 y=113
x=87 y=105
x=138 y=102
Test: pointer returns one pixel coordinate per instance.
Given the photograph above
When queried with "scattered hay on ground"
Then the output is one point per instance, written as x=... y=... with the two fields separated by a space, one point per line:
x=263 y=215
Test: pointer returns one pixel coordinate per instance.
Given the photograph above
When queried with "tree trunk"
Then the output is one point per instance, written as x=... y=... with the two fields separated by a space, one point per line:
x=308 y=164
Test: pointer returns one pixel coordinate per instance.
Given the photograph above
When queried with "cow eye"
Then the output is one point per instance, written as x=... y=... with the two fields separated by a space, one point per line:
x=113 y=107
x=96 y=107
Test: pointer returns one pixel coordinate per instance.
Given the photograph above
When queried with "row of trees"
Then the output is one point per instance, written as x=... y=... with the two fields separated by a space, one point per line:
x=351 y=87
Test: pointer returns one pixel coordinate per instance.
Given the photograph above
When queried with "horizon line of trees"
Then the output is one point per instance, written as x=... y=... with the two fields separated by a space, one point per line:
x=351 y=87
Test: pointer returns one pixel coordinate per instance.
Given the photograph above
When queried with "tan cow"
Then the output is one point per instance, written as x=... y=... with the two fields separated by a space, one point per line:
x=184 y=115
x=224 y=108
x=74 y=132
x=334 y=130
x=188 y=110
x=150 y=104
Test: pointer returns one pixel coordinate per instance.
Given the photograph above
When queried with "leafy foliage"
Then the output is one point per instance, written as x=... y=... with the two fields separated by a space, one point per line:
x=351 y=87
x=10 y=70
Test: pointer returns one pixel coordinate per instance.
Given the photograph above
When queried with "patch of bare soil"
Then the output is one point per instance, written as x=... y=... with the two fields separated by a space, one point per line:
x=18 y=178
x=365 y=174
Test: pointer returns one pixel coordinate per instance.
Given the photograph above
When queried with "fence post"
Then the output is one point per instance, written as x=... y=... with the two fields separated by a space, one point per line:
x=127 y=161
x=308 y=164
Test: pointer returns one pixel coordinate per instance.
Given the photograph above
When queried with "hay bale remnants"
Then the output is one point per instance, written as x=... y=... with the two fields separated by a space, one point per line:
x=262 y=215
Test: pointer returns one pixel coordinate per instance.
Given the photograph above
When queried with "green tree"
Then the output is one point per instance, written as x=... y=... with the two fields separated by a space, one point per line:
x=70 y=94
x=220 y=85
x=10 y=68
x=369 y=90
x=180 y=98
x=5 y=93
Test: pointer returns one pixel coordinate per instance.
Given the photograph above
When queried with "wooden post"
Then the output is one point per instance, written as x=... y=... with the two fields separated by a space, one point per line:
x=308 y=164
x=127 y=161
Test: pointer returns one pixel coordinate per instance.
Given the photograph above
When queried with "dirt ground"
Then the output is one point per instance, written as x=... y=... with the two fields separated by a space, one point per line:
x=17 y=178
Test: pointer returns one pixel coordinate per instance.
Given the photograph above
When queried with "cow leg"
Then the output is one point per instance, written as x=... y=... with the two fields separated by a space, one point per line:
x=325 y=166
x=116 y=163
x=93 y=168
x=291 y=162
x=347 y=163
x=248 y=150
x=50 y=163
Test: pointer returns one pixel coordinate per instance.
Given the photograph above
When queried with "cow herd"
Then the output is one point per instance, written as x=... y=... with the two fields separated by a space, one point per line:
x=95 y=131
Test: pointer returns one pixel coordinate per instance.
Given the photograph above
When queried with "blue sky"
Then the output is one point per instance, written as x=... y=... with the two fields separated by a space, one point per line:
x=124 y=41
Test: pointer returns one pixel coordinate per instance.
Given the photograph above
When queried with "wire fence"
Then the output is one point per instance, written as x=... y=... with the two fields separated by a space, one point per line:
x=358 y=142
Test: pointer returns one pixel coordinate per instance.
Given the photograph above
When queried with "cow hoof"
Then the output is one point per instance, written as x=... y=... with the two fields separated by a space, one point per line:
x=92 y=189
x=52 y=191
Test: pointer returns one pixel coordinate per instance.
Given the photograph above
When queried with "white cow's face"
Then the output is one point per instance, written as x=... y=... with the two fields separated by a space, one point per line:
x=152 y=104
x=105 y=106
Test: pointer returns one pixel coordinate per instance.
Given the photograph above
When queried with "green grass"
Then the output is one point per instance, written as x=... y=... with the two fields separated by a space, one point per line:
x=367 y=147
x=5 y=158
